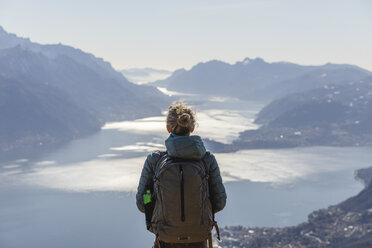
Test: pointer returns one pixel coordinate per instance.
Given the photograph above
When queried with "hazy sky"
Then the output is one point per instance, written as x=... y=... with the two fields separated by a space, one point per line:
x=170 y=34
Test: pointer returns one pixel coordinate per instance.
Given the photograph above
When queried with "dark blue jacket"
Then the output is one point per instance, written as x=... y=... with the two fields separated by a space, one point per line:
x=188 y=147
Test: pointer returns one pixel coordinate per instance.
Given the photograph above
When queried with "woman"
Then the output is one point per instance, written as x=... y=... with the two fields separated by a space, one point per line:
x=181 y=146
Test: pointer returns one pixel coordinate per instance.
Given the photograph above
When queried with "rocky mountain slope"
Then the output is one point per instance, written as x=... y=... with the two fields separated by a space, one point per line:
x=334 y=115
x=345 y=225
x=54 y=93
x=35 y=118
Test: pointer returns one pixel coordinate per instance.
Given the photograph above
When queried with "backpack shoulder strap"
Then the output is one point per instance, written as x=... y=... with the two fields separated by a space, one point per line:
x=162 y=154
x=157 y=165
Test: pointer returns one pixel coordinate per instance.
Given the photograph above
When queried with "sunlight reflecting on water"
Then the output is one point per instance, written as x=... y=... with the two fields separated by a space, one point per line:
x=151 y=125
x=274 y=166
x=47 y=162
x=11 y=166
x=108 y=155
x=220 y=125
x=287 y=165
x=94 y=175
x=173 y=93
x=140 y=147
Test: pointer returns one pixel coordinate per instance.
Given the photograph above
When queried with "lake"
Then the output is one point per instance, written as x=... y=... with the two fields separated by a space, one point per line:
x=82 y=195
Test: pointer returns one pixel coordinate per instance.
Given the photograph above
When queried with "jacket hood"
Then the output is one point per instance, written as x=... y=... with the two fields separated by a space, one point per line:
x=187 y=147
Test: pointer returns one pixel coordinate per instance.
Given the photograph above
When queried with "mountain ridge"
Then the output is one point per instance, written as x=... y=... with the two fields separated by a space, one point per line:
x=8 y=40
x=69 y=94
x=250 y=79
x=334 y=115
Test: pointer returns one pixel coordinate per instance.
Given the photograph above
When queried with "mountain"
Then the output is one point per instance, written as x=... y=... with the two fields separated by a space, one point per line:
x=145 y=75
x=364 y=176
x=38 y=118
x=342 y=105
x=345 y=225
x=255 y=79
x=353 y=97
x=100 y=67
x=54 y=93
x=328 y=74
x=106 y=98
x=52 y=51
x=336 y=115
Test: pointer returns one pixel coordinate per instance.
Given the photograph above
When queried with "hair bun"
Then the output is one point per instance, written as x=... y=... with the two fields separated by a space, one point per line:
x=180 y=118
x=183 y=120
x=180 y=110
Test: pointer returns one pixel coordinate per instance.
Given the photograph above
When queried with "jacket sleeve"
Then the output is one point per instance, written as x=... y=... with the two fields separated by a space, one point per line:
x=147 y=175
x=216 y=187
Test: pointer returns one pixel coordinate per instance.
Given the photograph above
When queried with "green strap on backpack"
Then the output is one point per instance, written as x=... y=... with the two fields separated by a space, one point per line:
x=147 y=197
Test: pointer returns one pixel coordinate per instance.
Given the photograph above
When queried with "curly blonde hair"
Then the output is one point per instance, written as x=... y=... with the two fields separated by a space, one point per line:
x=181 y=118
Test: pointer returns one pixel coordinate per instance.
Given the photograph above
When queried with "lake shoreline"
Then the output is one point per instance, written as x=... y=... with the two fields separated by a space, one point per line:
x=345 y=224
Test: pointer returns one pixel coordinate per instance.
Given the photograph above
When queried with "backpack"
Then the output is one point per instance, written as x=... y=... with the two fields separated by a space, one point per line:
x=183 y=211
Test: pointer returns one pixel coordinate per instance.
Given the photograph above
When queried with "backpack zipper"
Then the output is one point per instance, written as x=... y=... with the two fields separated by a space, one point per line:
x=182 y=195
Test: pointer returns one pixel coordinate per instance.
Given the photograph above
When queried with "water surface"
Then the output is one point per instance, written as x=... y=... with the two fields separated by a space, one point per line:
x=82 y=195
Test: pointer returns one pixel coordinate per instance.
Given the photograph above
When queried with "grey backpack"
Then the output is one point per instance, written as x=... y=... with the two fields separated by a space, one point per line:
x=183 y=211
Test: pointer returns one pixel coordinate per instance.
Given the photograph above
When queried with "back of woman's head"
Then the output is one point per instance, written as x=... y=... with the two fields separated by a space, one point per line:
x=180 y=118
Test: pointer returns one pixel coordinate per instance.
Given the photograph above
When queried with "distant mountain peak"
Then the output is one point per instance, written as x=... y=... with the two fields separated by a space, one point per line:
x=181 y=70
x=212 y=62
x=4 y=32
x=248 y=60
